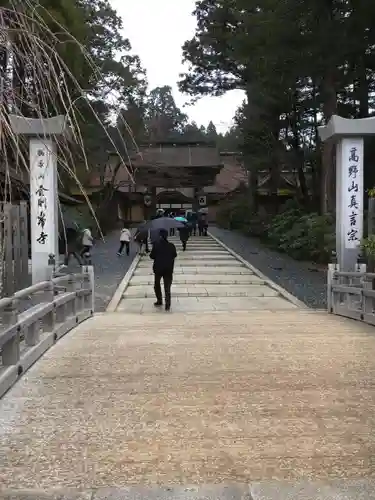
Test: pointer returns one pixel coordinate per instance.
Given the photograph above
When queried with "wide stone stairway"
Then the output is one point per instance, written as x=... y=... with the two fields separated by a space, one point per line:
x=237 y=393
x=207 y=278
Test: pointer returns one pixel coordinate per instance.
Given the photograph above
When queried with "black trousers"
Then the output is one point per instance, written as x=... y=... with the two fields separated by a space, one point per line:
x=193 y=229
x=184 y=244
x=122 y=245
x=85 y=249
x=75 y=255
x=167 y=281
x=202 y=230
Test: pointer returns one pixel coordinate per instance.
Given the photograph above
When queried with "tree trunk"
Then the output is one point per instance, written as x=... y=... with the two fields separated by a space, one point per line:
x=362 y=89
x=328 y=154
x=300 y=157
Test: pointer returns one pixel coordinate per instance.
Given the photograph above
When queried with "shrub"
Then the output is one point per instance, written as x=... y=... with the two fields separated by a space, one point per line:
x=303 y=236
x=310 y=236
x=368 y=246
x=235 y=214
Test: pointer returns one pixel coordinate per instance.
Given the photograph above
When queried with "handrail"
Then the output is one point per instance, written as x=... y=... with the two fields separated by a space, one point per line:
x=56 y=307
x=350 y=293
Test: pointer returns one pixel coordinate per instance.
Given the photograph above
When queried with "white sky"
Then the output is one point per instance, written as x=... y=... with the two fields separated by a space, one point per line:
x=157 y=29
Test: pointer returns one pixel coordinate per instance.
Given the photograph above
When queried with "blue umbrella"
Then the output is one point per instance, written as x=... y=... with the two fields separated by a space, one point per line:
x=181 y=219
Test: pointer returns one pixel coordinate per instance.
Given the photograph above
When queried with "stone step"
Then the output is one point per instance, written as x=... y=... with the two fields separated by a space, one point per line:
x=197 y=263
x=205 y=291
x=200 y=256
x=216 y=279
x=191 y=248
x=186 y=269
x=206 y=304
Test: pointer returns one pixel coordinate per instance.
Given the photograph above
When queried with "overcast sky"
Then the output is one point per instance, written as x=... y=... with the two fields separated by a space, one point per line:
x=157 y=29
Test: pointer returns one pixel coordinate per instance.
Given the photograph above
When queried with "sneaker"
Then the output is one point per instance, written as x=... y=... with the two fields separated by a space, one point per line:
x=118 y=253
x=168 y=307
x=158 y=304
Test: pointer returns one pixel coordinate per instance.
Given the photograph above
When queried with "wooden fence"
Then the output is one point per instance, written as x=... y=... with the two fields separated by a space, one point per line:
x=14 y=248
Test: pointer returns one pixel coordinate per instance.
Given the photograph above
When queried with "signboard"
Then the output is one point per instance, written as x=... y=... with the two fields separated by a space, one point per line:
x=43 y=206
x=42 y=189
x=202 y=200
x=351 y=191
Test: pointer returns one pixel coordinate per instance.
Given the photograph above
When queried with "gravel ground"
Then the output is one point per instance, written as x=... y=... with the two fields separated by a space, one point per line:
x=108 y=267
x=302 y=279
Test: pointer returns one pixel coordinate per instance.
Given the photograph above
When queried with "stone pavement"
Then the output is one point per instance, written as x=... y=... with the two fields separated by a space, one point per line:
x=207 y=278
x=277 y=402
x=270 y=490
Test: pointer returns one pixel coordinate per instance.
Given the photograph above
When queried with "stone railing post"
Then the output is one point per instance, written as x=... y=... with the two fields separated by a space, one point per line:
x=90 y=280
x=11 y=349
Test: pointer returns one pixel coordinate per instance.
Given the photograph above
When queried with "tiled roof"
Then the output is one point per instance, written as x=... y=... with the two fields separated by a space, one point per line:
x=230 y=177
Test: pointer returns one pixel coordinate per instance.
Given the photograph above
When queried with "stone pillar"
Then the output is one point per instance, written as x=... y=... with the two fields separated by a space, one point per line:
x=348 y=135
x=44 y=219
x=349 y=201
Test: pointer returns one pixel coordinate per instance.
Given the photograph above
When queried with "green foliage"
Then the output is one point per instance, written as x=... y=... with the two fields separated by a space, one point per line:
x=298 y=64
x=368 y=246
x=303 y=236
x=235 y=215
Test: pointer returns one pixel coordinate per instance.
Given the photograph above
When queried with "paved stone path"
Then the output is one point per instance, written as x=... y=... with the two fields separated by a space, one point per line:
x=207 y=278
x=197 y=396
x=270 y=490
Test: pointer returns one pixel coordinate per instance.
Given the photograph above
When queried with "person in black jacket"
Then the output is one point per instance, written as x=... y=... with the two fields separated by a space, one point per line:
x=72 y=246
x=184 y=235
x=163 y=254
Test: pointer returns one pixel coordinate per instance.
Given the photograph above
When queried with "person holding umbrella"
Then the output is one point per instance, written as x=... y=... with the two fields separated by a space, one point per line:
x=184 y=231
x=155 y=225
x=163 y=254
x=141 y=237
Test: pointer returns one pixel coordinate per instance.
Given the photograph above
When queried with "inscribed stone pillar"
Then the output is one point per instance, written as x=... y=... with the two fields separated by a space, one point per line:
x=349 y=201
x=43 y=206
x=348 y=135
x=43 y=188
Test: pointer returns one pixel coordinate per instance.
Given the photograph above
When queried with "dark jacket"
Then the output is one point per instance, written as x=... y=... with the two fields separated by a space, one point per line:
x=163 y=254
x=184 y=233
x=72 y=242
x=154 y=235
x=141 y=235
x=202 y=221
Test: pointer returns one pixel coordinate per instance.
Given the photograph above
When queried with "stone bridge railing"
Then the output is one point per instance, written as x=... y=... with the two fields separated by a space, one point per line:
x=34 y=318
x=351 y=294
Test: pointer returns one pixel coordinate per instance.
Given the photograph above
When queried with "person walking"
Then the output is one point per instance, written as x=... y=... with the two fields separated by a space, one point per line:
x=202 y=225
x=193 y=223
x=163 y=254
x=184 y=235
x=87 y=242
x=141 y=237
x=172 y=229
x=72 y=246
x=124 y=241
